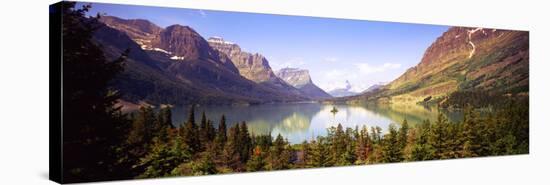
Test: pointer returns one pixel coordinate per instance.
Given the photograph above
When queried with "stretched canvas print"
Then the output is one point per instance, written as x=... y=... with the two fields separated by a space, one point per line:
x=147 y=92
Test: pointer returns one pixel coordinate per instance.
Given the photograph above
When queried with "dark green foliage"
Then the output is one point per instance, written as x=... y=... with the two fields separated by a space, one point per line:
x=496 y=133
x=203 y=130
x=403 y=131
x=142 y=132
x=303 y=155
x=245 y=143
x=221 y=135
x=190 y=132
x=363 y=147
x=257 y=162
x=163 y=123
x=280 y=154
x=438 y=135
x=482 y=99
x=164 y=158
x=421 y=149
x=391 y=148
x=231 y=154
x=93 y=128
x=320 y=155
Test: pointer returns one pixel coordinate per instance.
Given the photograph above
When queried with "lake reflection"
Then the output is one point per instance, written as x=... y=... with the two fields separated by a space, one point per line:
x=304 y=121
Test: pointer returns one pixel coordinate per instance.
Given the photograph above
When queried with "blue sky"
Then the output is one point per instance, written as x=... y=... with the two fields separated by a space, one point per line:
x=333 y=50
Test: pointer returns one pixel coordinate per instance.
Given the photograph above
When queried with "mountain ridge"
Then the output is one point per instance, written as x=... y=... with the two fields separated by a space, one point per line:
x=182 y=67
x=461 y=59
x=254 y=67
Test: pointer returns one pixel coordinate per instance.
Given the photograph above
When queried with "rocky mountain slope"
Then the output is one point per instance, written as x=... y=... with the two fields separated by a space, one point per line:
x=300 y=79
x=254 y=67
x=462 y=59
x=176 y=65
x=374 y=87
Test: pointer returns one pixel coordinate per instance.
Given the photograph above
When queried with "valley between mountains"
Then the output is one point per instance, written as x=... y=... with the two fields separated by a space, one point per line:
x=176 y=65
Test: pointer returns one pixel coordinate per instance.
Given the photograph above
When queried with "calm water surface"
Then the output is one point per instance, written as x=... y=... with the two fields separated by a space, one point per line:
x=304 y=121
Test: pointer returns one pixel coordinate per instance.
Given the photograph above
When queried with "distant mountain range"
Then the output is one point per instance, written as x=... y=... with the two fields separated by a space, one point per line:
x=462 y=59
x=176 y=65
x=343 y=92
x=254 y=67
x=374 y=87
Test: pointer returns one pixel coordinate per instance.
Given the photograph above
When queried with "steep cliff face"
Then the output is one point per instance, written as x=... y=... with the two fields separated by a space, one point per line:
x=254 y=67
x=300 y=78
x=178 y=42
x=464 y=59
x=181 y=67
x=295 y=77
x=140 y=30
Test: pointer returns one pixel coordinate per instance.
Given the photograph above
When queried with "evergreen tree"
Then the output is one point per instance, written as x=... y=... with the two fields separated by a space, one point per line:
x=391 y=150
x=245 y=145
x=230 y=155
x=421 y=149
x=303 y=155
x=376 y=134
x=210 y=131
x=163 y=159
x=257 y=161
x=93 y=128
x=362 y=146
x=189 y=132
x=470 y=134
x=206 y=164
x=437 y=136
x=338 y=145
x=280 y=156
x=141 y=134
x=221 y=135
x=403 y=131
x=320 y=155
x=164 y=123
x=452 y=145
x=203 y=130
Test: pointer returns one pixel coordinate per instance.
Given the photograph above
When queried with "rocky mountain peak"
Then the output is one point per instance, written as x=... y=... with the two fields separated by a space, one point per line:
x=254 y=67
x=457 y=44
x=294 y=76
x=465 y=59
x=300 y=78
x=463 y=41
x=183 y=42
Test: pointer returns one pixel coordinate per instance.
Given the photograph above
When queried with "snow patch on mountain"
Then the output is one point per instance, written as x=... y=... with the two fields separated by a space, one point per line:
x=177 y=58
x=219 y=40
x=470 y=32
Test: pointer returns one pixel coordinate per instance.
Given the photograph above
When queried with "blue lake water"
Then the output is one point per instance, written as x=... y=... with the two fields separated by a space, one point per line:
x=303 y=121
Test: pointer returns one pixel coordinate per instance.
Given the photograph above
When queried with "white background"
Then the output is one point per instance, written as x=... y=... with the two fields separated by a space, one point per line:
x=24 y=90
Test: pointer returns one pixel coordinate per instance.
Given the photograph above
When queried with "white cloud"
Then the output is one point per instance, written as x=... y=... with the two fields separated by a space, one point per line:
x=202 y=13
x=336 y=79
x=360 y=75
x=366 y=68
